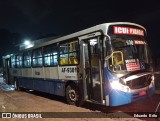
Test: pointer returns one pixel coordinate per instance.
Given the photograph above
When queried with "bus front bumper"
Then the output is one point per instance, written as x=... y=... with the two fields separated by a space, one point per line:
x=117 y=97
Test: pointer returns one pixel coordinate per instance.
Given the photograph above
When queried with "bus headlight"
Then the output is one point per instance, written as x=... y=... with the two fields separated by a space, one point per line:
x=118 y=86
x=115 y=85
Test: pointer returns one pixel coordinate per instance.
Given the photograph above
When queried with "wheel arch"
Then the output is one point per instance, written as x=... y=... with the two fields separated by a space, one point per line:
x=75 y=83
x=71 y=82
x=77 y=86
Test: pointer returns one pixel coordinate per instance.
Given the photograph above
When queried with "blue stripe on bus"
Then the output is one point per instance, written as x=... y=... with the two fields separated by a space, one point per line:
x=107 y=77
x=53 y=86
x=117 y=98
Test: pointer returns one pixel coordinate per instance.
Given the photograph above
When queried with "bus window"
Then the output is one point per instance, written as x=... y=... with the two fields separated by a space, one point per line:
x=50 y=55
x=73 y=58
x=117 y=60
x=64 y=54
x=13 y=64
x=37 y=57
x=19 y=60
x=27 y=59
x=94 y=52
x=69 y=53
x=73 y=54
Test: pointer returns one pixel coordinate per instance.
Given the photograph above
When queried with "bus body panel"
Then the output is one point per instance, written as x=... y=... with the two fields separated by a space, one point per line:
x=119 y=98
x=53 y=86
x=69 y=72
x=27 y=72
x=50 y=72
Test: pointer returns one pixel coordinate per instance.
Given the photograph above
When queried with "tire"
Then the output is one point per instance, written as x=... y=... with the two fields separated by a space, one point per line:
x=73 y=95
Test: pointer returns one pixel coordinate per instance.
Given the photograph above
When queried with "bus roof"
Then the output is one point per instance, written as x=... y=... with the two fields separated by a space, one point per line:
x=101 y=27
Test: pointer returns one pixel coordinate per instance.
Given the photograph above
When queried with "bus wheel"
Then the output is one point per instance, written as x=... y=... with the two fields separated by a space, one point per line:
x=16 y=85
x=73 y=96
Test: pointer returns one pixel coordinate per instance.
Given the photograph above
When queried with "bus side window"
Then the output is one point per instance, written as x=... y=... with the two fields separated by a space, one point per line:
x=69 y=53
x=50 y=54
x=27 y=59
x=73 y=55
x=19 y=60
x=73 y=59
x=37 y=57
x=64 y=54
x=13 y=58
x=64 y=60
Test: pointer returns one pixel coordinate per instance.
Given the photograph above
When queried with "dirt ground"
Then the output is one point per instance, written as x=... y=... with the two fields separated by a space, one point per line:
x=51 y=107
x=23 y=102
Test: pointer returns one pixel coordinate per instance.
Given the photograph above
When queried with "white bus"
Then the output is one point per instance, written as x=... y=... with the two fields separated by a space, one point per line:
x=108 y=64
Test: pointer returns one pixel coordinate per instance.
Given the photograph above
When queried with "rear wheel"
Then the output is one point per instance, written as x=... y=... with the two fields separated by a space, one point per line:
x=73 y=95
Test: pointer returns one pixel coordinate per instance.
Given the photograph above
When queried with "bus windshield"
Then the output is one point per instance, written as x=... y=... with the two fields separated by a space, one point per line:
x=129 y=54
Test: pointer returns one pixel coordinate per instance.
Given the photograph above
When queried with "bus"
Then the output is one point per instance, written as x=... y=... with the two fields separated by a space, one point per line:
x=108 y=64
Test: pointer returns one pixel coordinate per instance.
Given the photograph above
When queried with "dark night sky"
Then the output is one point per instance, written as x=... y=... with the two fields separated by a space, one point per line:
x=34 y=18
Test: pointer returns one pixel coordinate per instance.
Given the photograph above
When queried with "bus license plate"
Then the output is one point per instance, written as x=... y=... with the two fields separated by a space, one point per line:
x=142 y=93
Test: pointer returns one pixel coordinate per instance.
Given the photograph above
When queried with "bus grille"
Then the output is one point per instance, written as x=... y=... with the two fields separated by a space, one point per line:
x=140 y=82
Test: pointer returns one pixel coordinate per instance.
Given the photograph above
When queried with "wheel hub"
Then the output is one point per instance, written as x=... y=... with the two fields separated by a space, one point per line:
x=72 y=95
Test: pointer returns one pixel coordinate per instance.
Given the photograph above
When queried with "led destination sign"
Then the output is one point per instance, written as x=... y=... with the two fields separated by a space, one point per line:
x=128 y=30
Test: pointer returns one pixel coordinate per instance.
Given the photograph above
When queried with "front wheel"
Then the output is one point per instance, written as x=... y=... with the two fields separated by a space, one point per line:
x=73 y=95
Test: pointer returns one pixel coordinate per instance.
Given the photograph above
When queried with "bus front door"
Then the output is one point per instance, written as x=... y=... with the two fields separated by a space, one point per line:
x=92 y=83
